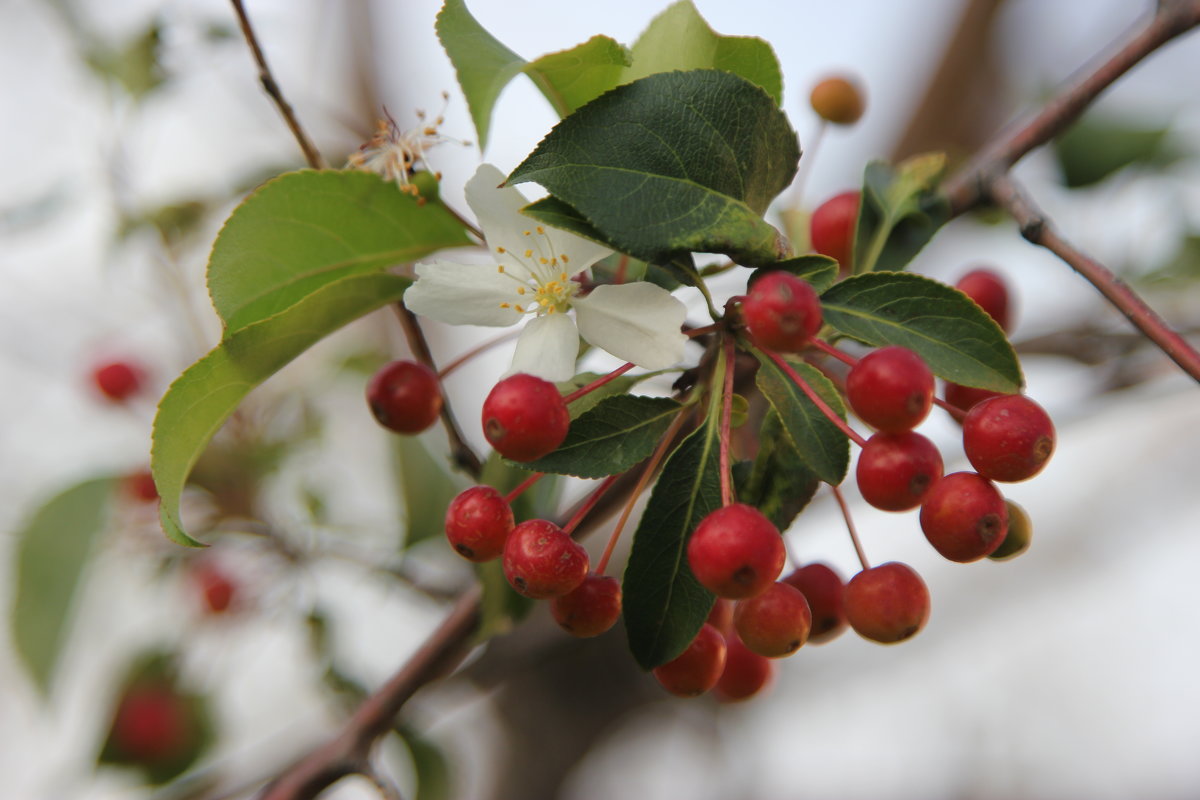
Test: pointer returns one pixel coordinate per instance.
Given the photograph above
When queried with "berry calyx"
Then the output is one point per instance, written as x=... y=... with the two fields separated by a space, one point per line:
x=837 y=100
x=964 y=517
x=888 y=603
x=405 y=397
x=541 y=561
x=1008 y=438
x=524 y=417
x=478 y=521
x=822 y=587
x=890 y=389
x=774 y=623
x=746 y=673
x=896 y=470
x=782 y=312
x=1019 y=536
x=698 y=668
x=990 y=292
x=736 y=552
x=118 y=380
x=831 y=228
x=591 y=608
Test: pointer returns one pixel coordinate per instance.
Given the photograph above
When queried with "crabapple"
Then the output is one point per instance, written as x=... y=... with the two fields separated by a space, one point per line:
x=541 y=561
x=990 y=292
x=698 y=668
x=837 y=100
x=896 y=470
x=782 y=312
x=822 y=587
x=118 y=380
x=831 y=228
x=1008 y=438
x=967 y=397
x=774 y=623
x=888 y=603
x=152 y=725
x=589 y=609
x=964 y=517
x=746 y=673
x=890 y=389
x=405 y=397
x=736 y=552
x=478 y=522
x=524 y=417
x=217 y=588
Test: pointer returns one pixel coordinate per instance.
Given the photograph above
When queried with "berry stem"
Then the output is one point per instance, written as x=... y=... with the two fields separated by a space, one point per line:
x=522 y=486
x=651 y=467
x=950 y=409
x=589 y=504
x=726 y=420
x=858 y=548
x=814 y=397
x=475 y=351
x=596 y=384
x=694 y=332
x=828 y=349
x=805 y=167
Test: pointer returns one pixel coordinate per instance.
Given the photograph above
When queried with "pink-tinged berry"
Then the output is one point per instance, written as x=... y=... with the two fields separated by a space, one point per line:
x=823 y=588
x=698 y=668
x=837 y=100
x=890 y=389
x=831 y=228
x=1008 y=438
x=590 y=609
x=990 y=292
x=888 y=603
x=746 y=673
x=405 y=397
x=782 y=312
x=774 y=623
x=736 y=552
x=118 y=381
x=541 y=561
x=896 y=470
x=524 y=417
x=964 y=517
x=478 y=522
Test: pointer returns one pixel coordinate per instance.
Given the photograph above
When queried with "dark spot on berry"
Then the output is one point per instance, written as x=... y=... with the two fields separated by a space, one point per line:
x=464 y=550
x=520 y=583
x=990 y=527
x=744 y=576
x=494 y=430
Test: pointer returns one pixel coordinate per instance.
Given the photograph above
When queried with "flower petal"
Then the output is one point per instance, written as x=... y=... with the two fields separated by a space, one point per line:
x=463 y=294
x=638 y=322
x=547 y=348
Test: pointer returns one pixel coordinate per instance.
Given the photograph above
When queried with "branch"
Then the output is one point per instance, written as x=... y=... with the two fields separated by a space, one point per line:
x=1037 y=229
x=311 y=154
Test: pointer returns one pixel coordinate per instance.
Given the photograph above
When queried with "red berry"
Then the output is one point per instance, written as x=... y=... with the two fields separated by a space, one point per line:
x=541 y=561
x=895 y=470
x=698 y=668
x=774 y=623
x=782 y=312
x=524 y=417
x=1008 y=438
x=736 y=552
x=746 y=673
x=837 y=100
x=891 y=389
x=721 y=616
x=152 y=725
x=888 y=603
x=140 y=486
x=964 y=517
x=217 y=588
x=1019 y=535
x=478 y=522
x=118 y=380
x=966 y=397
x=405 y=396
x=831 y=228
x=822 y=588
x=990 y=292
x=591 y=608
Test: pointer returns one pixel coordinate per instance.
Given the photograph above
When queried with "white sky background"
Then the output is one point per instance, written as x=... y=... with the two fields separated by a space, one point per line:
x=1066 y=673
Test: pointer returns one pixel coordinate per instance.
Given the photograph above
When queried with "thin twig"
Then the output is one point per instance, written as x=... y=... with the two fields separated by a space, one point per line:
x=858 y=548
x=311 y=154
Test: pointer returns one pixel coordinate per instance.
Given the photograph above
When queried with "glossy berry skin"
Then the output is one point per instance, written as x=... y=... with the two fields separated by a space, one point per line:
x=782 y=312
x=837 y=100
x=736 y=552
x=967 y=397
x=990 y=292
x=831 y=228
x=590 y=609
x=721 y=616
x=888 y=603
x=896 y=470
x=890 y=389
x=405 y=397
x=964 y=517
x=1019 y=535
x=152 y=726
x=823 y=588
x=698 y=668
x=118 y=381
x=478 y=522
x=1008 y=438
x=541 y=561
x=746 y=673
x=217 y=588
x=774 y=623
x=524 y=417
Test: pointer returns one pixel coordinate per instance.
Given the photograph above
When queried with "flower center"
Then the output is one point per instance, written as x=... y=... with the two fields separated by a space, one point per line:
x=545 y=287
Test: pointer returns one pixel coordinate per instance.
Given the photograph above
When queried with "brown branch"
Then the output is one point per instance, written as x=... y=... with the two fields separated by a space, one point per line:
x=311 y=154
x=1037 y=229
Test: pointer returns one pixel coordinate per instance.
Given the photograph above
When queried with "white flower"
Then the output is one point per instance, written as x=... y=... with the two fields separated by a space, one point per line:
x=637 y=322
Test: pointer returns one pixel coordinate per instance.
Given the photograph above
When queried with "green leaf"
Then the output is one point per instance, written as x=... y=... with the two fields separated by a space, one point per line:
x=308 y=229
x=426 y=486
x=610 y=438
x=815 y=439
x=820 y=271
x=134 y=66
x=500 y=607
x=695 y=158
x=900 y=212
x=958 y=340
x=778 y=483
x=622 y=384
x=664 y=604
x=1094 y=148
x=52 y=550
x=430 y=763
x=680 y=39
x=208 y=391
x=574 y=77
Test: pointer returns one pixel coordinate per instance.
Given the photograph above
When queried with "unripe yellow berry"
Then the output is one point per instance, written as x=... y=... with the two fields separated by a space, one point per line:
x=837 y=100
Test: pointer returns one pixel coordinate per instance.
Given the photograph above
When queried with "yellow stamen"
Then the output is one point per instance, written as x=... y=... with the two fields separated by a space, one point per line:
x=529 y=254
x=520 y=290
